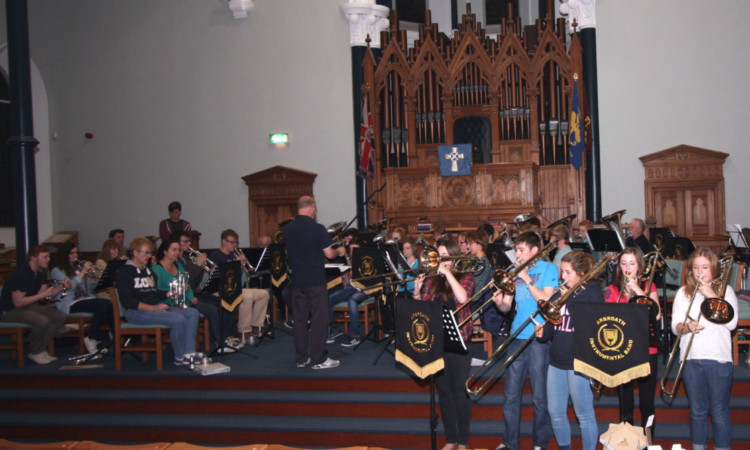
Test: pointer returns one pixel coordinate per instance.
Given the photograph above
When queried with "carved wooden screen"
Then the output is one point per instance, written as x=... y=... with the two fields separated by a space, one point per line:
x=509 y=97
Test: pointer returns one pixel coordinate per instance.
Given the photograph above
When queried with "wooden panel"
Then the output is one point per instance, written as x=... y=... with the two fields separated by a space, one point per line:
x=684 y=191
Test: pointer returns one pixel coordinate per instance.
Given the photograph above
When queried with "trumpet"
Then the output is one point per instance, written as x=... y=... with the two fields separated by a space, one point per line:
x=193 y=255
x=246 y=266
x=715 y=310
x=550 y=310
x=93 y=273
x=178 y=289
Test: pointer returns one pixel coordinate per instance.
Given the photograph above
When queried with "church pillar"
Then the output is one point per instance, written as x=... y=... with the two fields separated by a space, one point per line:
x=583 y=12
x=22 y=142
x=366 y=20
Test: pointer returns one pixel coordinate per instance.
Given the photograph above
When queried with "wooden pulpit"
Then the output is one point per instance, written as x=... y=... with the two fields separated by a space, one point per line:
x=272 y=198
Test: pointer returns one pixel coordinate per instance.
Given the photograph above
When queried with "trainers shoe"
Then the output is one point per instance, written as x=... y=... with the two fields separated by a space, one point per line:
x=327 y=364
x=536 y=447
x=92 y=345
x=304 y=364
x=40 y=358
x=48 y=356
x=332 y=337
x=502 y=447
x=181 y=362
x=234 y=343
x=350 y=342
x=289 y=324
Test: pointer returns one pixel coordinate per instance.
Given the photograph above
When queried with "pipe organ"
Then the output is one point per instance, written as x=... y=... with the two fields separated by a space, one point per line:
x=508 y=95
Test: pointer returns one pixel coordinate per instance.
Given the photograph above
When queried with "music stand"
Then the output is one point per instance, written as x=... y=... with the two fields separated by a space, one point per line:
x=109 y=275
x=580 y=247
x=367 y=239
x=601 y=240
x=678 y=247
x=657 y=236
x=498 y=256
x=212 y=286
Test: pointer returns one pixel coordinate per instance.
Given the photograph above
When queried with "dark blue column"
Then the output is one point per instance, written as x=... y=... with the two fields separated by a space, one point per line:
x=22 y=142
x=593 y=161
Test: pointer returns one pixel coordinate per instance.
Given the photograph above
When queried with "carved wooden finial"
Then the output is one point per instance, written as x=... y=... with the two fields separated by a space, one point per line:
x=368 y=40
x=574 y=25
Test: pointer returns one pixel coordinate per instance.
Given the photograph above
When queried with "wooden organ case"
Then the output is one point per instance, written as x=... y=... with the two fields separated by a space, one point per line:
x=509 y=96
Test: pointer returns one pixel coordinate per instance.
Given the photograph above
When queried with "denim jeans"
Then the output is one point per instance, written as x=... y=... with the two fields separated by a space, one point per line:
x=532 y=362
x=564 y=384
x=183 y=325
x=708 y=384
x=354 y=297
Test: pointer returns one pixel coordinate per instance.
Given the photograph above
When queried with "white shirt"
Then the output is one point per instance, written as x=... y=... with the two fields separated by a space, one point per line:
x=714 y=341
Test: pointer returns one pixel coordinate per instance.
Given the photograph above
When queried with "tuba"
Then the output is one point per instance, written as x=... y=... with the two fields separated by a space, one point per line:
x=612 y=222
x=565 y=221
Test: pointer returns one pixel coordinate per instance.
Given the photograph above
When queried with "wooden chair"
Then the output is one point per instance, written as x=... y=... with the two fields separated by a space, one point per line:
x=16 y=332
x=80 y=321
x=152 y=337
x=484 y=336
x=366 y=314
x=203 y=333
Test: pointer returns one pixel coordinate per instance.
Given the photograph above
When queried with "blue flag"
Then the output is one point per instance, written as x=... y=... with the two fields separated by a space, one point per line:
x=455 y=159
x=576 y=139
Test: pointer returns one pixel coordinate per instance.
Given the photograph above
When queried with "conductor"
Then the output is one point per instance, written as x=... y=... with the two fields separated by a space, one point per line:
x=307 y=243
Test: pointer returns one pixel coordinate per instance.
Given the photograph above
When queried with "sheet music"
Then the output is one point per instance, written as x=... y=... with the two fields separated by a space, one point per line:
x=341 y=267
x=737 y=237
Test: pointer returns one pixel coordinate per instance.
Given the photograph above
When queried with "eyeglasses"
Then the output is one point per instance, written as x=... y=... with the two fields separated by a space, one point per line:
x=146 y=252
x=232 y=242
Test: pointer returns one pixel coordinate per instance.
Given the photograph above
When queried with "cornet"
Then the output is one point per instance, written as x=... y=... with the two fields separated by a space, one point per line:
x=178 y=289
x=193 y=255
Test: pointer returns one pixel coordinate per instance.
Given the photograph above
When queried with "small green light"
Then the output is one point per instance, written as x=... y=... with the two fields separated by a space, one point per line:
x=278 y=138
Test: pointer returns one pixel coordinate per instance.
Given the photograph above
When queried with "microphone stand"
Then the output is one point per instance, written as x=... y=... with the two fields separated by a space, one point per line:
x=364 y=204
x=665 y=336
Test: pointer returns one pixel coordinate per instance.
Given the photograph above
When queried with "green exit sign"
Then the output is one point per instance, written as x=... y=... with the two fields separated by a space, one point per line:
x=278 y=138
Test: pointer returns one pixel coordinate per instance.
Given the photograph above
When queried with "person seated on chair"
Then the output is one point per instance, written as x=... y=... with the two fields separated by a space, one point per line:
x=19 y=303
x=345 y=292
x=82 y=277
x=254 y=305
x=110 y=252
x=560 y=235
x=195 y=267
x=174 y=224
x=136 y=289
x=167 y=269
x=118 y=235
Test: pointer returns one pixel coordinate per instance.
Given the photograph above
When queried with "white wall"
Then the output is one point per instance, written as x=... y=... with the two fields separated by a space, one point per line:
x=181 y=97
x=672 y=72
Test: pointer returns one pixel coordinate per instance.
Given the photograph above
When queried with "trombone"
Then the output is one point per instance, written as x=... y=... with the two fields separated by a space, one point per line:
x=649 y=272
x=504 y=280
x=550 y=310
x=714 y=309
x=429 y=260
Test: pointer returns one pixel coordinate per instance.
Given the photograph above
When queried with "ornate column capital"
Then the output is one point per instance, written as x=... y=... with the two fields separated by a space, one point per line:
x=240 y=8
x=583 y=11
x=365 y=18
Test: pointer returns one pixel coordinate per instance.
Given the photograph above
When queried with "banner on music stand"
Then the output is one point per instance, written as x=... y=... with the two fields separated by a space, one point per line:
x=419 y=336
x=611 y=344
x=230 y=285
x=368 y=263
x=277 y=260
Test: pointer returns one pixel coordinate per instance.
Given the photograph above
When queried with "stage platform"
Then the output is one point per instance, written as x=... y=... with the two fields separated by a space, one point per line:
x=270 y=400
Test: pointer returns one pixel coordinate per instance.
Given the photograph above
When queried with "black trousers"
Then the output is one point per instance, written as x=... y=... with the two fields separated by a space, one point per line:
x=646 y=392
x=102 y=314
x=310 y=303
x=455 y=405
